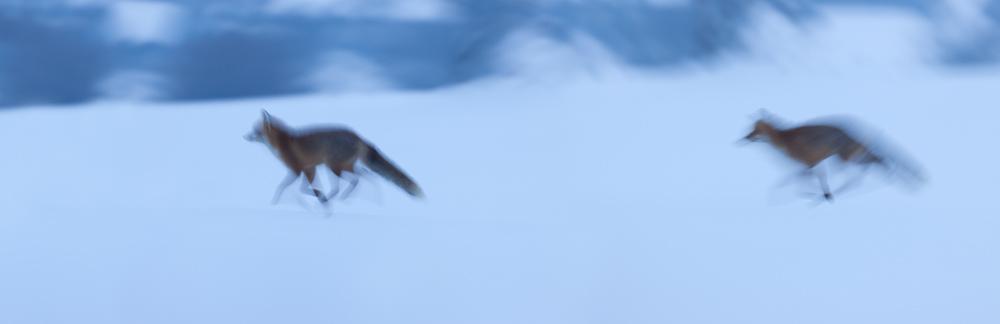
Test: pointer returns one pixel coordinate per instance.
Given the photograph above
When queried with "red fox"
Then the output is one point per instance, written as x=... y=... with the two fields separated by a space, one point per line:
x=812 y=144
x=338 y=149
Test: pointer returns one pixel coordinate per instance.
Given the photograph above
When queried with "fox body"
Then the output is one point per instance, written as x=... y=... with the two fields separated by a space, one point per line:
x=338 y=149
x=812 y=144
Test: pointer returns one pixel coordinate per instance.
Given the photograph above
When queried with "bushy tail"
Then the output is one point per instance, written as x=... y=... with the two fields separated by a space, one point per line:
x=383 y=167
x=898 y=168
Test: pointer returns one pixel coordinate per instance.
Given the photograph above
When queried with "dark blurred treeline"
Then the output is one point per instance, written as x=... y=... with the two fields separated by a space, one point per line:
x=52 y=53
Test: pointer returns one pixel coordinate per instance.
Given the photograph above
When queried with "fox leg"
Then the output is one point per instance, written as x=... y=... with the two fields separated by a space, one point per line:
x=350 y=188
x=821 y=175
x=355 y=177
x=284 y=184
x=334 y=183
x=856 y=180
x=307 y=187
x=339 y=173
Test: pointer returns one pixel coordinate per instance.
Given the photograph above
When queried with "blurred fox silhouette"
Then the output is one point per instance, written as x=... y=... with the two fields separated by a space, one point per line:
x=337 y=148
x=811 y=144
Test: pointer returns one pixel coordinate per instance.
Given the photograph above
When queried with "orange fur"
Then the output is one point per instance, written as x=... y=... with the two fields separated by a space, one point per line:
x=810 y=145
x=338 y=149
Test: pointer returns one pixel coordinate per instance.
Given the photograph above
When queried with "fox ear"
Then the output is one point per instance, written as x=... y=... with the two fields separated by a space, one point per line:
x=264 y=116
x=765 y=115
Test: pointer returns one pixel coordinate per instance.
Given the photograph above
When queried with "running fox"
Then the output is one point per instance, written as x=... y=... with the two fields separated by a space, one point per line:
x=812 y=144
x=338 y=149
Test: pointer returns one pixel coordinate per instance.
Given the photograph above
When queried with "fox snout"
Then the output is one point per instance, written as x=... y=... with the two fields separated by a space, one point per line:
x=750 y=138
x=253 y=137
x=745 y=140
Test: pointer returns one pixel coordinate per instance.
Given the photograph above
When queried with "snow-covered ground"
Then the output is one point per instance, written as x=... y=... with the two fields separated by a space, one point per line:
x=623 y=198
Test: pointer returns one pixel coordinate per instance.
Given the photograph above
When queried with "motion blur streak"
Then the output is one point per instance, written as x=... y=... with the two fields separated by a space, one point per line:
x=69 y=51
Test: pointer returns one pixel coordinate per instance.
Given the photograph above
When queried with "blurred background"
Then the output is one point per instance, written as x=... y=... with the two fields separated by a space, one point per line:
x=71 y=51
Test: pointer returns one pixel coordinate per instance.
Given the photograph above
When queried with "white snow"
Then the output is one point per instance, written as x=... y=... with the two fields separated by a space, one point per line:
x=530 y=53
x=843 y=40
x=345 y=71
x=413 y=10
x=144 y=22
x=132 y=85
x=621 y=199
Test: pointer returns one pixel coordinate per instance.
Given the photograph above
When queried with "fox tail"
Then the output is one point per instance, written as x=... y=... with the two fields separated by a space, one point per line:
x=383 y=167
x=898 y=168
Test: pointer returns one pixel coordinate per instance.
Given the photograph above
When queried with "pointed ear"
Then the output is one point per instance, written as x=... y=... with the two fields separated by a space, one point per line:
x=765 y=115
x=265 y=117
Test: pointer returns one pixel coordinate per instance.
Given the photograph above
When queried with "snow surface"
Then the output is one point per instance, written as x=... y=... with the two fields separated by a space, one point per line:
x=614 y=199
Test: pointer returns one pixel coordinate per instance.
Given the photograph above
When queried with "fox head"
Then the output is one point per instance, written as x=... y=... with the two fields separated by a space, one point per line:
x=762 y=129
x=259 y=131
